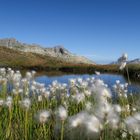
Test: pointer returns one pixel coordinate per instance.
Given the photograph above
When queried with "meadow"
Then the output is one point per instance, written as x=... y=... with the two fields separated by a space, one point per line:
x=84 y=109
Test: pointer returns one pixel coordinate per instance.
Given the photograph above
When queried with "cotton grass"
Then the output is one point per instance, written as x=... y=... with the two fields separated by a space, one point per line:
x=83 y=109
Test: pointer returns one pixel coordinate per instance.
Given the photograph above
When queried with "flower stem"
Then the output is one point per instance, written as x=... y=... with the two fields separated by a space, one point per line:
x=128 y=75
x=62 y=130
x=26 y=114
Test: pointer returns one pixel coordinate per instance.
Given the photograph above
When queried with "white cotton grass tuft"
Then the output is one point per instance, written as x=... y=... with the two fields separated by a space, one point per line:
x=97 y=73
x=40 y=98
x=137 y=116
x=105 y=92
x=8 y=102
x=80 y=80
x=124 y=134
x=123 y=58
x=93 y=124
x=117 y=82
x=78 y=98
x=122 y=65
x=123 y=61
x=28 y=75
x=117 y=108
x=98 y=82
x=88 y=106
x=77 y=120
x=62 y=113
x=113 y=120
x=42 y=116
x=133 y=123
x=87 y=123
x=33 y=73
x=72 y=82
x=87 y=93
x=102 y=110
x=101 y=93
x=25 y=103
x=1 y=102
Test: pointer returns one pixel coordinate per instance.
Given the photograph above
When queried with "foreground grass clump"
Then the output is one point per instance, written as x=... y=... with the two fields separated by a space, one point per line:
x=84 y=109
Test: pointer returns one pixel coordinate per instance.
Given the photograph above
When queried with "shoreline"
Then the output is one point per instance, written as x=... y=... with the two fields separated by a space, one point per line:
x=134 y=70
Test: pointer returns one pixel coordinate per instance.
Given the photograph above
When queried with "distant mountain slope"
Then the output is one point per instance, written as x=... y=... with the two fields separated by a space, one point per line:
x=15 y=58
x=57 y=52
x=135 y=61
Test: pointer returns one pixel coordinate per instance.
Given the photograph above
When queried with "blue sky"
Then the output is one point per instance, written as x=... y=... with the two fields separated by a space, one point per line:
x=98 y=29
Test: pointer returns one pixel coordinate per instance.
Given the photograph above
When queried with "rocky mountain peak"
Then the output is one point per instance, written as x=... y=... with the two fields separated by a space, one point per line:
x=61 y=50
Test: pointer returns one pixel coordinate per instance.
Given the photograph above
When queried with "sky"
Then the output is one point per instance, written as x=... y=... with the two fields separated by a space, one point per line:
x=99 y=29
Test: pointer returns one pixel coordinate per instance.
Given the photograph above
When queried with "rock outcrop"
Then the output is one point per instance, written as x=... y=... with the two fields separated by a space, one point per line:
x=59 y=52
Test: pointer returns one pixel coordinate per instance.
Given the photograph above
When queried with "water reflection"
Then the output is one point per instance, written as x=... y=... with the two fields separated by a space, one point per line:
x=109 y=79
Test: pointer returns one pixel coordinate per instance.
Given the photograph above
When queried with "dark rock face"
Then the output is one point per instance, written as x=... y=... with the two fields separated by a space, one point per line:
x=59 y=52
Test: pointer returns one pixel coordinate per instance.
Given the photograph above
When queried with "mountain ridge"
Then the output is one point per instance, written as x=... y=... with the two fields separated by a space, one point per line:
x=56 y=51
x=134 y=61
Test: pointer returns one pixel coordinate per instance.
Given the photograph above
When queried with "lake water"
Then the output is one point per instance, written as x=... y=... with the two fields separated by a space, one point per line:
x=109 y=79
